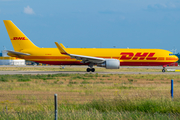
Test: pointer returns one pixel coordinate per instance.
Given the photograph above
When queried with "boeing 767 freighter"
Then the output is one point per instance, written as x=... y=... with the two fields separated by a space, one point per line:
x=103 y=57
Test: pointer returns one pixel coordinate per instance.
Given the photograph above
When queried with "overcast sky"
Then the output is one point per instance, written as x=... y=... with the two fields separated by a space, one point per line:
x=94 y=23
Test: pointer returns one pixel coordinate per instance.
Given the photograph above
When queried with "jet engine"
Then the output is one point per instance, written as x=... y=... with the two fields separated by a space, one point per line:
x=110 y=64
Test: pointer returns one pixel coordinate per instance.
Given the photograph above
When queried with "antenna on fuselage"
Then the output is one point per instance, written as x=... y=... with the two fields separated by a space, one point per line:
x=173 y=51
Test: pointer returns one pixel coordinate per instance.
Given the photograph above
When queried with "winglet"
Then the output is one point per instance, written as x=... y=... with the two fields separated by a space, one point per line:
x=61 y=48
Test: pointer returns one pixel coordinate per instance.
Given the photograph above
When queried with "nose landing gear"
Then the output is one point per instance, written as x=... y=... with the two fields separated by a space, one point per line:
x=163 y=70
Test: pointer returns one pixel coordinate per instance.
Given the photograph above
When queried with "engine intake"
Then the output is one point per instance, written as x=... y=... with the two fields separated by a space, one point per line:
x=110 y=64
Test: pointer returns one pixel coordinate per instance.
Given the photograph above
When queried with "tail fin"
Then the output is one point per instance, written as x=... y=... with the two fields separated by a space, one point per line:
x=18 y=38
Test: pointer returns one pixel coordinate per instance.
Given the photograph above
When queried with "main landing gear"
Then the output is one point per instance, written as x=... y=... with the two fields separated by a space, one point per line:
x=91 y=68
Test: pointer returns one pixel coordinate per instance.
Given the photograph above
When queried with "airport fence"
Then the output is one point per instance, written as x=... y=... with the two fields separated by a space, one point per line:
x=76 y=105
x=42 y=106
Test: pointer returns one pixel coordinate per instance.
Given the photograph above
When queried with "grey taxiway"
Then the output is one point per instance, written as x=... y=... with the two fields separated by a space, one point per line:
x=84 y=72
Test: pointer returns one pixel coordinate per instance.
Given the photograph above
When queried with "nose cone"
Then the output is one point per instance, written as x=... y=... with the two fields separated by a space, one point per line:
x=176 y=58
x=172 y=58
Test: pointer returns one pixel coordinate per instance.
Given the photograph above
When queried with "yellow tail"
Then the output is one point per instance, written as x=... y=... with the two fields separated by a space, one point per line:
x=18 y=38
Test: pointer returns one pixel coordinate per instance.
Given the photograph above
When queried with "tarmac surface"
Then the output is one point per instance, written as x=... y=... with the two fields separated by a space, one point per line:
x=84 y=72
x=80 y=72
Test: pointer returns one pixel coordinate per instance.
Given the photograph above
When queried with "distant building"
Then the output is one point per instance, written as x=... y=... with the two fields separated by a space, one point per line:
x=6 y=60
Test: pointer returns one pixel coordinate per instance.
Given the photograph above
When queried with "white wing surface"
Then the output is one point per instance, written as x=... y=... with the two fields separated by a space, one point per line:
x=16 y=53
x=85 y=59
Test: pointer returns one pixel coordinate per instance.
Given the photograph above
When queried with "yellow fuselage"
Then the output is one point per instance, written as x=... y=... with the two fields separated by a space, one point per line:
x=131 y=57
x=127 y=57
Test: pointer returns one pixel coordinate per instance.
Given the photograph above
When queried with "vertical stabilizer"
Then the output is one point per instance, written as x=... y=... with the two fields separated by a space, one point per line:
x=18 y=38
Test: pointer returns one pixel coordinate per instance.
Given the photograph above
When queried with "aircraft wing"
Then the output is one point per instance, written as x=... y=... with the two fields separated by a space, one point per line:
x=85 y=59
x=16 y=53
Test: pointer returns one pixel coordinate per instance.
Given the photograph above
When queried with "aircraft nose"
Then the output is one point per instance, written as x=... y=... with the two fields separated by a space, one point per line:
x=176 y=58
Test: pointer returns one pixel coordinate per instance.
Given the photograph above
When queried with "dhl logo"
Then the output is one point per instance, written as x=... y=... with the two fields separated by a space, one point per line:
x=19 y=38
x=137 y=56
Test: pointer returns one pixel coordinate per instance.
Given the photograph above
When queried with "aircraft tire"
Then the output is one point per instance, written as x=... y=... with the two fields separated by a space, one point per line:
x=163 y=70
x=88 y=69
x=92 y=69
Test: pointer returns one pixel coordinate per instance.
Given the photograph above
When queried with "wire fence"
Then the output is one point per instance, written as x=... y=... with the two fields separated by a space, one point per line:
x=42 y=106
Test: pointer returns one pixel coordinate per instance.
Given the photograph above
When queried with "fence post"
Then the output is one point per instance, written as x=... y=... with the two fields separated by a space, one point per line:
x=55 y=106
x=172 y=89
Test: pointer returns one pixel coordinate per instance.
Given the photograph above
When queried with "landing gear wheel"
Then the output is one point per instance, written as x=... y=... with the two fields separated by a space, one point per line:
x=92 y=69
x=88 y=69
x=163 y=70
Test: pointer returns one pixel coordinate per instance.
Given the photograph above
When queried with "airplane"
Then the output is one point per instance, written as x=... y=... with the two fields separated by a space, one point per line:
x=110 y=58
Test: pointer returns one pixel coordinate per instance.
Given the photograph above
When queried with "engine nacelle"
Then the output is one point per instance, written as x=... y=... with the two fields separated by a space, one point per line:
x=110 y=64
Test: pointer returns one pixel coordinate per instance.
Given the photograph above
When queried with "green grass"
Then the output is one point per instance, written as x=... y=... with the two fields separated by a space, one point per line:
x=150 y=106
x=6 y=78
x=3 y=79
x=89 y=96
x=85 y=82
x=103 y=109
x=88 y=115
x=73 y=82
x=24 y=80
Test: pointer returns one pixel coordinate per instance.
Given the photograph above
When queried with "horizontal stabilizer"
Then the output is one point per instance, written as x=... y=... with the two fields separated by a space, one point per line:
x=16 y=53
